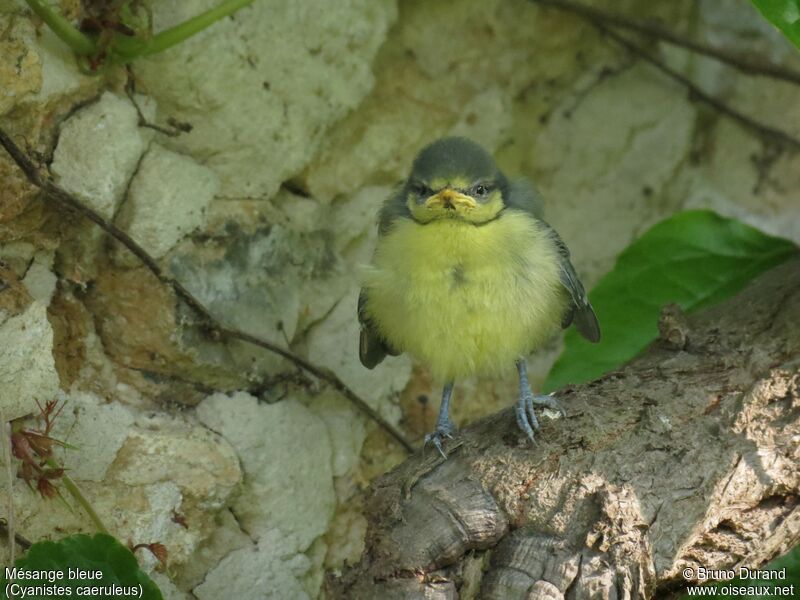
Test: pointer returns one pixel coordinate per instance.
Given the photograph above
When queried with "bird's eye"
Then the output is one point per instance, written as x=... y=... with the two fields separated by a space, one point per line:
x=482 y=190
x=421 y=190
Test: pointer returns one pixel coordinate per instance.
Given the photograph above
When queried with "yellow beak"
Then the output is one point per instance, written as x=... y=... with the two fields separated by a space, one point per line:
x=450 y=199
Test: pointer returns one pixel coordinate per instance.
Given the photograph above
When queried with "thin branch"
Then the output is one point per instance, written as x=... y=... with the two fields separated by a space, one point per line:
x=213 y=326
x=698 y=94
x=21 y=540
x=650 y=29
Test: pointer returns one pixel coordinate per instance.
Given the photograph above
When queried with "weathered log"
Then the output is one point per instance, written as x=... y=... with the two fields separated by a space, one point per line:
x=687 y=457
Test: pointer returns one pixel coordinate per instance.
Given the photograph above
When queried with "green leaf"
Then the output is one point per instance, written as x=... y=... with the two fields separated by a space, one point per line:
x=694 y=259
x=784 y=14
x=54 y=564
x=788 y=571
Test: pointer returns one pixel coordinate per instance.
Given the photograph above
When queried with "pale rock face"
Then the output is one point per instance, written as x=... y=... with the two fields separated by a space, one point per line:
x=286 y=454
x=97 y=429
x=27 y=370
x=357 y=216
x=98 y=150
x=20 y=67
x=621 y=143
x=167 y=199
x=334 y=344
x=257 y=282
x=209 y=468
x=39 y=279
x=261 y=88
x=257 y=572
x=125 y=462
x=169 y=590
x=345 y=427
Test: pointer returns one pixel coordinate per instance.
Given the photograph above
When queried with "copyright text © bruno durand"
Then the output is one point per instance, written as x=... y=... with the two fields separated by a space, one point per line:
x=71 y=583
x=739 y=582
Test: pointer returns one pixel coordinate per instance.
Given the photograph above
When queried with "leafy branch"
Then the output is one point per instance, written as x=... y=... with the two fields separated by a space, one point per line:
x=119 y=40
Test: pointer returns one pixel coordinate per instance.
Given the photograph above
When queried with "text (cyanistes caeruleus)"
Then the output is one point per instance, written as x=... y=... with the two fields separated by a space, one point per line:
x=467 y=277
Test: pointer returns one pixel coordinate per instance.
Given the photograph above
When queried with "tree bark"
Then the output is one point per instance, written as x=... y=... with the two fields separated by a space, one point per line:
x=687 y=457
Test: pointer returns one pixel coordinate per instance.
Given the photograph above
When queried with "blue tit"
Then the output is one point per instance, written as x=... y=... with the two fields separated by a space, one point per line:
x=467 y=277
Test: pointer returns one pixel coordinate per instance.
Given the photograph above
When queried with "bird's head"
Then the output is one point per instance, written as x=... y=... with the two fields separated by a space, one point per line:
x=455 y=178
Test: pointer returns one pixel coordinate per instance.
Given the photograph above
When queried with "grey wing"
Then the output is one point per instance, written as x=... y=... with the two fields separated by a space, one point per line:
x=580 y=311
x=523 y=196
x=372 y=348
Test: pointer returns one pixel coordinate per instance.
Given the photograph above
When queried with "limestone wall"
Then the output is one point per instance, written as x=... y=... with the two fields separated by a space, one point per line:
x=303 y=116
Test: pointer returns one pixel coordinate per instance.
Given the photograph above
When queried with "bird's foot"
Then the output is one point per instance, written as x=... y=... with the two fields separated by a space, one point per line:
x=444 y=429
x=526 y=417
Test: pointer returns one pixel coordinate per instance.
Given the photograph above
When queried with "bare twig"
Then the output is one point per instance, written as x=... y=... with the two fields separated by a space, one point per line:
x=650 y=29
x=210 y=323
x=23 y=542
x=177 y=127
x=698 y=94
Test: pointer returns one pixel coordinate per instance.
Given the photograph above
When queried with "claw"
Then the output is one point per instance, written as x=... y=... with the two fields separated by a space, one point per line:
x=436 y=438
x=526 y=417
x=444 y=426
x=522 y=419
x=530 y=399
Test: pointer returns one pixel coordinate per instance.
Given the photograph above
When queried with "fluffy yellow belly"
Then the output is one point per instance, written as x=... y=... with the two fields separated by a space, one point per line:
x=464 y=299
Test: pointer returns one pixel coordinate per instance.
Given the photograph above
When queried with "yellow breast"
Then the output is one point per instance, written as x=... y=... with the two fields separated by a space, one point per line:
x=466 y=299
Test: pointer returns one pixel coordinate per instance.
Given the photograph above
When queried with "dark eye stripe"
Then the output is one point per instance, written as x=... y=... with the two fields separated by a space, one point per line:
x=420 y=189
x=482 y=189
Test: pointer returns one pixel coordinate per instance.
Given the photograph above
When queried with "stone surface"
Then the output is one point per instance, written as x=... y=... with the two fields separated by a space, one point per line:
x=167 y=199
x=27 y=370
x=151 y=478
x=257 y=572
x=20 y=65
x=634 y=129
x=97 y=429
x=333 y=104
x=334 y=344
x=98 y=150
x=209 y=467
x=345 y=427
x=299 y=66
x=286 y=455
x=251 y=276
x=39 y=278
x=61 y=77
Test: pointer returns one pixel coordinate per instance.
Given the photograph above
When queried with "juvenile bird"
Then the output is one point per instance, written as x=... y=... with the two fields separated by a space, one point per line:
x=468 y=278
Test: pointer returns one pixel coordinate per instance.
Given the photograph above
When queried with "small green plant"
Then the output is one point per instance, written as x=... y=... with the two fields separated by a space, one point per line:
x=118 y=32
x=81 y=566
x=39 y=468
x=111 y=562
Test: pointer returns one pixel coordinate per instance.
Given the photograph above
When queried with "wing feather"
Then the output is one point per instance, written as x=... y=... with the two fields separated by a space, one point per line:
x=523 y=196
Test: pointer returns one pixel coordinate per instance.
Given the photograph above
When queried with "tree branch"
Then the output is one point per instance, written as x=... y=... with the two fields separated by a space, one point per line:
x=598 y=16
x=208 y=322
x=685 y=458
x=698 y=94
x=603 y=21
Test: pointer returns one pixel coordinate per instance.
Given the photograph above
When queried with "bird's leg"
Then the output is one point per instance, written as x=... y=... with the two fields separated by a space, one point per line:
x=526 y=418
x=444 y=426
